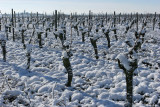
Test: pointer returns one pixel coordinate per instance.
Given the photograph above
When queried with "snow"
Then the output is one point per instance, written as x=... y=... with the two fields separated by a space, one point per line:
x=29 y=48
x=94 y=35
x=103 y=95
x=33 y=79
x=90 y=74
x=12 y=92
x=2 y=36
x=64 y=54
x=77 y=96
x=67 y=94
x=117 y=96
x=39 y=30
x=124 y=61
x=145 y=73
x=60 y=31
x=96 y=83
x=142 y=88
x=66 y=43
x=0 y=15
x=143 y=31
x=158 y=89
x=41 y=69
x=154 y=99
x=46 y=88
x=103 y=83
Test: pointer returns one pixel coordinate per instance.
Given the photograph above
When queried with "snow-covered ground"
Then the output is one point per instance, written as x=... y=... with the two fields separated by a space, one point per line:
x=96 y=82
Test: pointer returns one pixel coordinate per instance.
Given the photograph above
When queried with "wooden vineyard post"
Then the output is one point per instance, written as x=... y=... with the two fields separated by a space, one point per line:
x=159 y=22
x=14 y=19
x=37 y=16
x=43 y=16
x=22 y=17
x=76 y=16
x=0 y=19
x=71 y=28
x=141 y=16
x=154 y=20
x=89 y=18
x=40 y=39
x=114 y=19
x=55 y=20
x=27 y=18
x=136 y=32
x=137 y=21
x=89 y=22
x=58 y=18
x=13 y=26
x=114 y=25
x=31 y=16
x=18 y=18
x=0 y=24
x=23 y=42
x=119 y=18
x=5 y=18
x=106 y=18
x=131 y=17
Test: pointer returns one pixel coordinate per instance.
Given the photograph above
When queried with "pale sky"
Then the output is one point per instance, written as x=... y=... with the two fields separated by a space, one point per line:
x=81 y=6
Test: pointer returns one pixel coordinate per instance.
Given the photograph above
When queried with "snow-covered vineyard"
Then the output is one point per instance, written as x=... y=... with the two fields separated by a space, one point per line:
x=105 y=52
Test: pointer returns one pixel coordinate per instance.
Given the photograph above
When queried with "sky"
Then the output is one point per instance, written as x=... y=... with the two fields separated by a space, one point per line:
x=81 y=6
